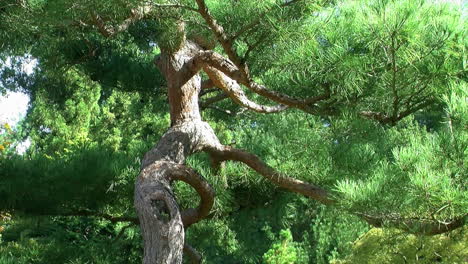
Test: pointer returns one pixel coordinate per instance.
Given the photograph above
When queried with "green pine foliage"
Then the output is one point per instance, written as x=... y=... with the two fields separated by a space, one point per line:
x=98 y=104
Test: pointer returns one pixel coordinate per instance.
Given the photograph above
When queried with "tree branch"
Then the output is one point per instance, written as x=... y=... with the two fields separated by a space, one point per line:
x=212 y=59
x=234 y=91
x=413 y=109
x=237 y=69
x=280 y=180
x=108 y=31
x=386 y=119
x=411 y=225
x=258 y=20
x=201 y=186
x=219 y=33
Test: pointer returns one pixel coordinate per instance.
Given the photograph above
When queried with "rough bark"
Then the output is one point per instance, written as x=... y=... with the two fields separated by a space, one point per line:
x=161 y=220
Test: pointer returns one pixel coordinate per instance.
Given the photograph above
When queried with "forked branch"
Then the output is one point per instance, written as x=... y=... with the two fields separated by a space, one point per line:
x=208 y=58
x=237 y=69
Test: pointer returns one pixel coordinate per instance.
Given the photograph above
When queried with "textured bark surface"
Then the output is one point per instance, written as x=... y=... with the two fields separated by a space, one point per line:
x=161 y=220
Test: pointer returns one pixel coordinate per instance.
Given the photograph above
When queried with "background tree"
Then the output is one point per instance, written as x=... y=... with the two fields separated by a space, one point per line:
x=353 y=77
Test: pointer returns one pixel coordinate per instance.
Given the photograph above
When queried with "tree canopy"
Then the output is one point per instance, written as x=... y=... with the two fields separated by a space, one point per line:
x=358 y=105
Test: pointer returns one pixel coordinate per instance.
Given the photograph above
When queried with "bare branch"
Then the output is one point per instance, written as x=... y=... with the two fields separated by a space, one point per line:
x=237 y=69
x=412 y=225
x=280 y=180
x=215 y=60
x=234 y=91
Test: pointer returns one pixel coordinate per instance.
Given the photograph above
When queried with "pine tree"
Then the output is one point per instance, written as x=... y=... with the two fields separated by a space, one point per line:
x=374 y=75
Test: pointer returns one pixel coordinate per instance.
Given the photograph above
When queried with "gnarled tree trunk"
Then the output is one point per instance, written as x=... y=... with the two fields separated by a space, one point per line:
x=161 y=220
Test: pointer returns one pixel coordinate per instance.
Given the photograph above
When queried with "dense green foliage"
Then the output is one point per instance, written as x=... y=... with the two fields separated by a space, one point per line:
x=98 y=104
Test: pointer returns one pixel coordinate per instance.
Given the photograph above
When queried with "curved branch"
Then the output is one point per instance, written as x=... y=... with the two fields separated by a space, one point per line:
x=170 y=171
x=234 y=91
x=238 y=69
x=302 y=104
x=208 y=58
x=202 y=187
x=414 y=226
x=280 y=180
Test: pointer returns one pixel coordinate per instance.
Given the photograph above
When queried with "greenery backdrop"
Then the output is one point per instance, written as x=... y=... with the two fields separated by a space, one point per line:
x=391 y=140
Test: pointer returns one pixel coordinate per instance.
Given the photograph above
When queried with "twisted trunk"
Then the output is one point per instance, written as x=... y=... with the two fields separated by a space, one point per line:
x=161 y=220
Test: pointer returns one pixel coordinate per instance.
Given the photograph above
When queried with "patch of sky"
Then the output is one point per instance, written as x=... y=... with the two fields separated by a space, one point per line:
x=14 y=104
